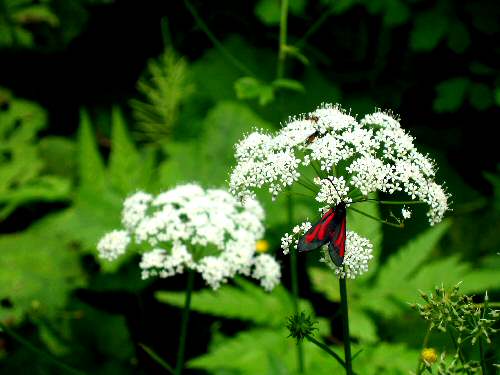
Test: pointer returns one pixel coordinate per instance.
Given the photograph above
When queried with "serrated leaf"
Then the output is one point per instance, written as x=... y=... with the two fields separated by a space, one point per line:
x=125 y=166
x=91 y=167
x=450 y=94
x=407 y=259
x=247 y=303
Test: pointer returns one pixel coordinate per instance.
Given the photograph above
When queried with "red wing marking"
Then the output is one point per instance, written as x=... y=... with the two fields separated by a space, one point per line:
x=319 y=231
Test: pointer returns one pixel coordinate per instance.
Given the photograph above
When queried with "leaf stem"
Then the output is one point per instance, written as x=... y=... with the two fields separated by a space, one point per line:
x=203 y=26
x=345 y=326
x=424 y=345
x=40 y=352
x=388 y=202
x=377 y=219
x=326 y=349
x=184 y=323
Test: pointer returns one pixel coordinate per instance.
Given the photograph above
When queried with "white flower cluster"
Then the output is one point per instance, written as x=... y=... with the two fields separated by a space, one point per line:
x=375 y=152
x=358 y=252
x=208 y=231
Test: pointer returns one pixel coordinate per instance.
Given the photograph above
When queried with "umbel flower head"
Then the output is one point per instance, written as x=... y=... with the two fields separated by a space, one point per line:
x=208 y=231
x=351 y=159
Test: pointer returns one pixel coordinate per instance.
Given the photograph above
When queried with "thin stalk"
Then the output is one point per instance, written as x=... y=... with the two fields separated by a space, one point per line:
x=184 y=323
x=481 y=353
x=44 y=355
x=157 y=358
x=377 y=219
x=300 y=182
x=424 y=345
x=203 y=26
x=345 y=326
x=389 y=202
x=457 y=348
x=280 y=69
x=326 y=349
x=314 y=27
x=295 y=284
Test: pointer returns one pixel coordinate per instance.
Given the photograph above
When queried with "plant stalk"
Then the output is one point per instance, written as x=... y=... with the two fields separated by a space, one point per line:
x=326 y=349
x=424 y=345
x=295 y=284
x=345 y=326
x=184 y=323
x=280 y=71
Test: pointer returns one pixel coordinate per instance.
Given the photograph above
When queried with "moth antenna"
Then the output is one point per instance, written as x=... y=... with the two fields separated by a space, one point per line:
x=329 y=179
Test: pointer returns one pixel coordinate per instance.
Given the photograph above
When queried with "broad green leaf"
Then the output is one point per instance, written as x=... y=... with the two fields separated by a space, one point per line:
x=479 y=280
x=458 y=37
x=362 y=326
x=480 y=96
x=428 y=30
x=248 y=353
x=91 y=167
x=407 y=259
x=248 y=302
x=37 y=274
x=450 y=94
x=324 y=281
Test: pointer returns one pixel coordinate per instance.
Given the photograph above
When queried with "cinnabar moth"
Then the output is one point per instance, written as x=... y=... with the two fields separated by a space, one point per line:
x=330 y=228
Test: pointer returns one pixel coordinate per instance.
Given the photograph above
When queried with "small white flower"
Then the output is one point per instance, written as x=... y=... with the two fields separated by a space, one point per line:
x=267 y=270
x=113 y=244
x=188 y=227
x=406 y=213
x=358 y=252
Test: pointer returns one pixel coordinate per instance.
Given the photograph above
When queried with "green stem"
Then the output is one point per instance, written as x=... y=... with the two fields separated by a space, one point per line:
x=481 y=353
x=280 y=70
x=377 y=219
x=41 y=353
x=184 y=323
x=326 y=349
x=345 y=326
x=202 y=25
x=457 y=348
x=314 y=27
x=295 y=284
x=424 y=345
x=389 y=202
x=157 y=358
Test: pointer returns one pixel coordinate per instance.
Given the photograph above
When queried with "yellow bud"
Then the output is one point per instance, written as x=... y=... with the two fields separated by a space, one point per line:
x=429 y=356
x=261 y=246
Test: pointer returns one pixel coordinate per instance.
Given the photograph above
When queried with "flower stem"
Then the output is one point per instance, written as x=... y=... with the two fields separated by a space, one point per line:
x=424 y=345
x=389 y=202
x=481 y=353
x=377 y=219
x=345 y=326
x=157 y=358
x=326 y=349
x=280 y=70
x=184 y=323
x=295 y=284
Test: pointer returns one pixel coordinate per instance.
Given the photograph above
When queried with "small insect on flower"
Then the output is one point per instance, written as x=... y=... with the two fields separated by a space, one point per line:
x=312 y=138
x=330 y=228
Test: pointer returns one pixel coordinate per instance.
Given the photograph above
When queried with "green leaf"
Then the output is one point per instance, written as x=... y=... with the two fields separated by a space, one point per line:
x=125 y=164
x=458 y=37
x=37 y=274
x=325 y=282
x=251 y=88
x=362 y=326
x=407 y=259
x=91 y=167
x=480 y=96
x=428 y=30
x=268 y=11
x=249 y=302
x=450 y=94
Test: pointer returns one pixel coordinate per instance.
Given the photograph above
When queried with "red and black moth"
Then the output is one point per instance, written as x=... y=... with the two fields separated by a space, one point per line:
x=330 y=228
